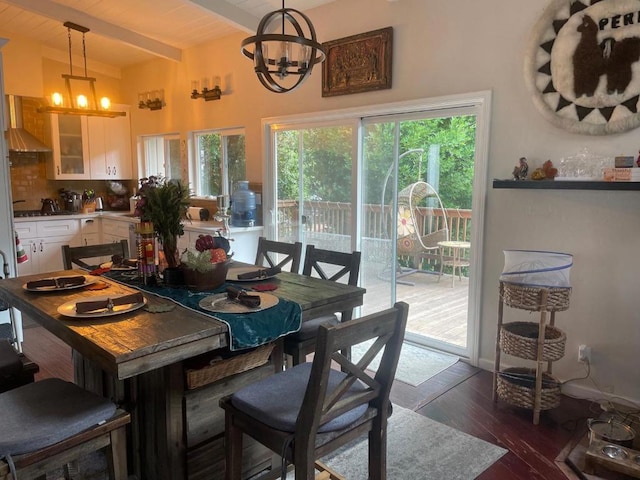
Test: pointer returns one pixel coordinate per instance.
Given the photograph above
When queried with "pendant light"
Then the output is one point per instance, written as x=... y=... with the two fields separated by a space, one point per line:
x=86 y=103
x=282 y=61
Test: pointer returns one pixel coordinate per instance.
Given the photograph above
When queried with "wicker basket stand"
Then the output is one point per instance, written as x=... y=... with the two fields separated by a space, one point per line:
x=542 y=342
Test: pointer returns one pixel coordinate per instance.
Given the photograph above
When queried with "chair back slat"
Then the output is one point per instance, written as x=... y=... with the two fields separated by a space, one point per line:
x=268 y=251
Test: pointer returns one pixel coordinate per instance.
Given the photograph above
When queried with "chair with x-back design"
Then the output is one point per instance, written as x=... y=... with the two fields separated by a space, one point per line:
x=328 y=265
x=272 y=253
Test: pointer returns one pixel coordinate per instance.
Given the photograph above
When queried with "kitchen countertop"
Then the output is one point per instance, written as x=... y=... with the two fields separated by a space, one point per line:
x=189 y=225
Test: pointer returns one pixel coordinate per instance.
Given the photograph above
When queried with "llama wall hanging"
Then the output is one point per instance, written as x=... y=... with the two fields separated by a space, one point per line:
x=583 y=65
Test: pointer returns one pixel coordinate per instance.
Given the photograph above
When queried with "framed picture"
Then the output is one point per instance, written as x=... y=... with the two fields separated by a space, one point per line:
x=359 y=63
x=583 y=65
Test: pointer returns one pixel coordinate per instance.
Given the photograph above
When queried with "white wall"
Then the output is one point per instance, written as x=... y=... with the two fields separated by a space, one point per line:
x=443 y=48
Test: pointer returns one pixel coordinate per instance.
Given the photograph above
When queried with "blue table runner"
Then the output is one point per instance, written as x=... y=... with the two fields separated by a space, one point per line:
x=246 y=330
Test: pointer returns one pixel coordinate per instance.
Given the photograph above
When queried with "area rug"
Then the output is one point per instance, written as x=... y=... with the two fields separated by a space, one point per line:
x=416 y=364
x=419 y=449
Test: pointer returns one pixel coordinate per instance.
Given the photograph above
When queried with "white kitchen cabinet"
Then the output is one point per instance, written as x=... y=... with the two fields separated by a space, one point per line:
x=114 y=230
x=89 y=231
x=70 y=148
x=188 y=240
x=43 y=241
x=245 y=244
x=91 y=148
x=110 y=146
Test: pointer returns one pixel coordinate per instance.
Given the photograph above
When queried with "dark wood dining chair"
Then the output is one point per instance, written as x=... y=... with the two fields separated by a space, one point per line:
x=78 y=255
x=311 y=409
x=279 y=254
x=328 y=265
x=49 y=423
x=15 y=368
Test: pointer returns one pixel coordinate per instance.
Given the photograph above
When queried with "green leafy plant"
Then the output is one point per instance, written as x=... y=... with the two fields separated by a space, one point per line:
x=165 y=203
x=199 y=261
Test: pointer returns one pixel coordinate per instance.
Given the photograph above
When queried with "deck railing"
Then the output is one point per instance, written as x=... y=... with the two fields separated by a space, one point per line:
x=321 y=217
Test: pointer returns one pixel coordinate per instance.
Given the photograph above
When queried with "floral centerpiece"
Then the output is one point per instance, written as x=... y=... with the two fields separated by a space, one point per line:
x=205 y=268
x=164 y=203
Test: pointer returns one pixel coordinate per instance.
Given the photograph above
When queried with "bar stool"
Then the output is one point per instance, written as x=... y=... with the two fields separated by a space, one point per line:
x=49 y=423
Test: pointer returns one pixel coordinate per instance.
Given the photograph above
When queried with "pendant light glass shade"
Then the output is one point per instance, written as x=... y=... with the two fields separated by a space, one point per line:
x=282 y=61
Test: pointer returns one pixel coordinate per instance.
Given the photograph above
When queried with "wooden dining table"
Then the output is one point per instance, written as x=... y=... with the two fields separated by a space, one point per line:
x=139 y=359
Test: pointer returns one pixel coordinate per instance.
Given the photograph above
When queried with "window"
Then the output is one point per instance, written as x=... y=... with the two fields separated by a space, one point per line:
x=161 y=156
x=218 y=161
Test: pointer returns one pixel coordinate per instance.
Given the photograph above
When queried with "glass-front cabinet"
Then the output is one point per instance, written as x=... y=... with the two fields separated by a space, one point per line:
x=91 y=148
x=70 y=148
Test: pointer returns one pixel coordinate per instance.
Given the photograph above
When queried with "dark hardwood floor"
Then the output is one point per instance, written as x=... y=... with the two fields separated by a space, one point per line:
x=460 y=397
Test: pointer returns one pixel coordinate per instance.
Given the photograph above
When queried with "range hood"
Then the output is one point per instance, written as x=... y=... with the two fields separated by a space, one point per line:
x=18 y=139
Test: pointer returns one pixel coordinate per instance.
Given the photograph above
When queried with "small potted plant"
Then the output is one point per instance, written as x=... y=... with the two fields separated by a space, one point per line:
x=205 y=268
x=164 y=203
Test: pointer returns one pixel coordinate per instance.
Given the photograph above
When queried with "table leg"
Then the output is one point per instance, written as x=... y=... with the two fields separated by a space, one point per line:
x=277 y=355
x=454 y=262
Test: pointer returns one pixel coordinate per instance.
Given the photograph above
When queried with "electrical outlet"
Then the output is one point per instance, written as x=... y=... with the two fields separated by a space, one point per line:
x=584 y=354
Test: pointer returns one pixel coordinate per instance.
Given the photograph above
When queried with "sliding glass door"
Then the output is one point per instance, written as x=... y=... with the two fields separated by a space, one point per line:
x=314 y=187
x=417 y=175
x=393 y=182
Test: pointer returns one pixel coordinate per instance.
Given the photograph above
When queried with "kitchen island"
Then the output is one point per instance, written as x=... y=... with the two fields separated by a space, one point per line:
x=140 y=359
x=42 y=236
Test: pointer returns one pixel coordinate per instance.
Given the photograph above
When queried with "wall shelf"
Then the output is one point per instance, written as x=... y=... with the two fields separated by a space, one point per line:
x=565 y=185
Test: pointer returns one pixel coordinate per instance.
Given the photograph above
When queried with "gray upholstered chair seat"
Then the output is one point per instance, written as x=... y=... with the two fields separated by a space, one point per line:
x=277 y=400
x=310 y=329
x=44 y=413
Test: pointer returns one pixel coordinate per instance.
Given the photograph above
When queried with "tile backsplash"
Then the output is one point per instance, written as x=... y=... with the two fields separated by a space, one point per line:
x=29 y=182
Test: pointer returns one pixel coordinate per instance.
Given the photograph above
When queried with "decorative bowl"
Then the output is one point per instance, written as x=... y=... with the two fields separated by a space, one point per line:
x=209 y=280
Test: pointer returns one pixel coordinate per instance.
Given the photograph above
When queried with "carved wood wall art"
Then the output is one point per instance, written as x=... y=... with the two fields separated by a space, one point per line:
x=583 y=65
x=359 y=63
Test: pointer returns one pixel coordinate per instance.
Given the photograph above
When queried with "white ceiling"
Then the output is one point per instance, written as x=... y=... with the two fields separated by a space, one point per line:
x=125 y=32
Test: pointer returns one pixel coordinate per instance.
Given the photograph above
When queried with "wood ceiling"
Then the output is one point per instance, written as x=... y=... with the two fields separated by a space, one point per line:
x=126 y=32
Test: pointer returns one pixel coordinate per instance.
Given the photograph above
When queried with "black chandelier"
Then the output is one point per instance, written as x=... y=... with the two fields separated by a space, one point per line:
x=279 y=57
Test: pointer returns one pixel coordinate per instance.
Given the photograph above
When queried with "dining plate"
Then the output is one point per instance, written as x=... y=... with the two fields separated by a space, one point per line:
x=110 y=266
x=88 y=280
x=68 y=309
x=220 y=303
x=232 y=274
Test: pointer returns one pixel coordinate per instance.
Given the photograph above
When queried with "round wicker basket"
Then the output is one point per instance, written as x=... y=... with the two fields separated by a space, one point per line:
x=517 y=387
x=520 y=339
x=528 y=297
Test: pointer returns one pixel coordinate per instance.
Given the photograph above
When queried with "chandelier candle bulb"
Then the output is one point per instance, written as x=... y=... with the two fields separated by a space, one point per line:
x=56 y=99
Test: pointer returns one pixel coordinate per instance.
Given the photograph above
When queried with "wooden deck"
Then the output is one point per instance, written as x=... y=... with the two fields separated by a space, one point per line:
x=436 y=309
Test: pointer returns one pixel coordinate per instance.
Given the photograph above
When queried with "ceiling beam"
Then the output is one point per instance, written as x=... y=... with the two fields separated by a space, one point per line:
x=241 y=19
x=62 y=13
